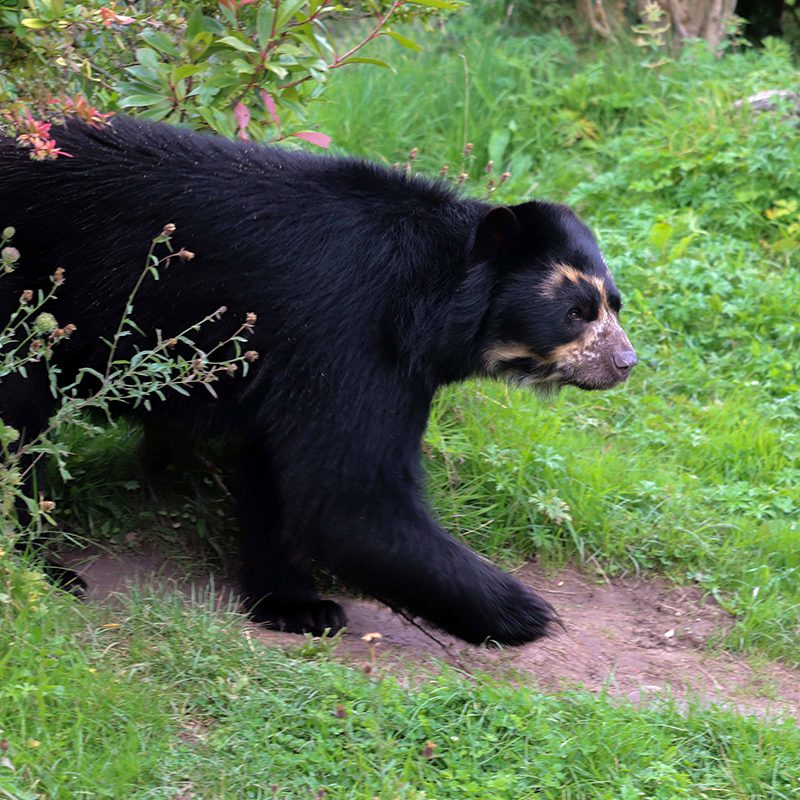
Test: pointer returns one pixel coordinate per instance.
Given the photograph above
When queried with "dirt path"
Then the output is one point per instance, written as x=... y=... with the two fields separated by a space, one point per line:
x=637 y=638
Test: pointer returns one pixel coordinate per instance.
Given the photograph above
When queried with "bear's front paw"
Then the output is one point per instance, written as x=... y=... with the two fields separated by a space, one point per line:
x=316 y=617
x=506 y=612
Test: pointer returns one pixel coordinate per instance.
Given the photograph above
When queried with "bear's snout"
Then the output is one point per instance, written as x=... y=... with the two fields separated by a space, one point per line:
x=625 y=360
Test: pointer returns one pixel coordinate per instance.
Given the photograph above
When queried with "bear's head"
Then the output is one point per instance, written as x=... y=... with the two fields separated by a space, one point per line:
x=554 y=315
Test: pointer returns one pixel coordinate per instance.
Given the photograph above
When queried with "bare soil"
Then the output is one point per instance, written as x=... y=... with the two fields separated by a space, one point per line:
x=635 y=639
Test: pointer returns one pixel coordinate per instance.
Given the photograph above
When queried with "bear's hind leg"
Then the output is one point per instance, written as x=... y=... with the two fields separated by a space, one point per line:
x=279 y=593
x=278 y=588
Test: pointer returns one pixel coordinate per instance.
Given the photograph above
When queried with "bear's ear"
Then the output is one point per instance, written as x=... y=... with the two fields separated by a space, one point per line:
x=498 y=234
x=540 y=216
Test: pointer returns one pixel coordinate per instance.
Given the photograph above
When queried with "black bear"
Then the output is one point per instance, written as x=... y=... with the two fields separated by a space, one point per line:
x=371 y=289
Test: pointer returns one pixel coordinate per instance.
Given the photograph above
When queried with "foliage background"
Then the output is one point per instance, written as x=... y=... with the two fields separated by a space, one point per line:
x=692 y=469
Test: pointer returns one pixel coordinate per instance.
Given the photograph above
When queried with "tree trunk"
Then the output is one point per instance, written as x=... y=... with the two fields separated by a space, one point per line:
x=596 y=16
x=698 y=19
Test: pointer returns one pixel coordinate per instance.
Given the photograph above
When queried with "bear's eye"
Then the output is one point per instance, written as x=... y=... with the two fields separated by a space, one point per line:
x=575 y=314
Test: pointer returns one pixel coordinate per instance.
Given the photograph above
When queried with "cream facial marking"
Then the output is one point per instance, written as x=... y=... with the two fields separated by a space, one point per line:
x=588 y=349
x=499 y=359
x=589 y=346
x=506 y=351
x=564 y=273
x=588 y=360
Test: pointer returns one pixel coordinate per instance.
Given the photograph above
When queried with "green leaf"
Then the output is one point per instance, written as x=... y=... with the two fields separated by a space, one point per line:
x=161 y=42
x=217 y=121
x=376 y=61
x=145 y=75
x=200 y=44
x=89 y=371
x=404 y=40
x=286 y=11
x=264 y=18
x=237 y=44
x=35 y=23
x=660 y=234
x=242 y=68
x=147 y=57
x=680 y=248
x=323 y=43
x=195 y=24
x=222 y=80
x=156 y=113
x=185 y=71
x=498 y=142
x=129 y=88
x=438 y=4
x=228 y=14
x=277 y=69
x=140 y=100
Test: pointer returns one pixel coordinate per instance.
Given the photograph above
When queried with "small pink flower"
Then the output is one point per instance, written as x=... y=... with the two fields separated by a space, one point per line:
x=78 y=106
x=46 y=148
x=32 y=127
x=242 y=114
x=109 y=17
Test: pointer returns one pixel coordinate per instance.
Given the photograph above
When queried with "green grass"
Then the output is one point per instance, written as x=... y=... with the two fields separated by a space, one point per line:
x=153 y=698
x=694 y=467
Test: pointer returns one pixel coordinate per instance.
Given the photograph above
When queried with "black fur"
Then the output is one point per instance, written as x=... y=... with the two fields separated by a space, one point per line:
x=371 y=291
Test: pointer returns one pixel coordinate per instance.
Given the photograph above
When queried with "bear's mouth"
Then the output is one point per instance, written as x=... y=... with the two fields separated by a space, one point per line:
x=597 y=384
x=547 y=378
x=532 y=374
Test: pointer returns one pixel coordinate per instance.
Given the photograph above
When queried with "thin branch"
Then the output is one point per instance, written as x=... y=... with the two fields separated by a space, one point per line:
x=340 y=61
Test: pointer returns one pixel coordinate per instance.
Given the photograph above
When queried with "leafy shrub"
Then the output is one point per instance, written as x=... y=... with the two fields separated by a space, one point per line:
x=238 y=67
x=169 y=364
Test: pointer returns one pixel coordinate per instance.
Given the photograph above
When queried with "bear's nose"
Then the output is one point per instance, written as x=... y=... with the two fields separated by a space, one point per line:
x=625 y=359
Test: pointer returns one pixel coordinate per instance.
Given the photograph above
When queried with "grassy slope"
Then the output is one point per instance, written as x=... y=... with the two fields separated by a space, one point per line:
x=692 y=469
x=161 y=701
